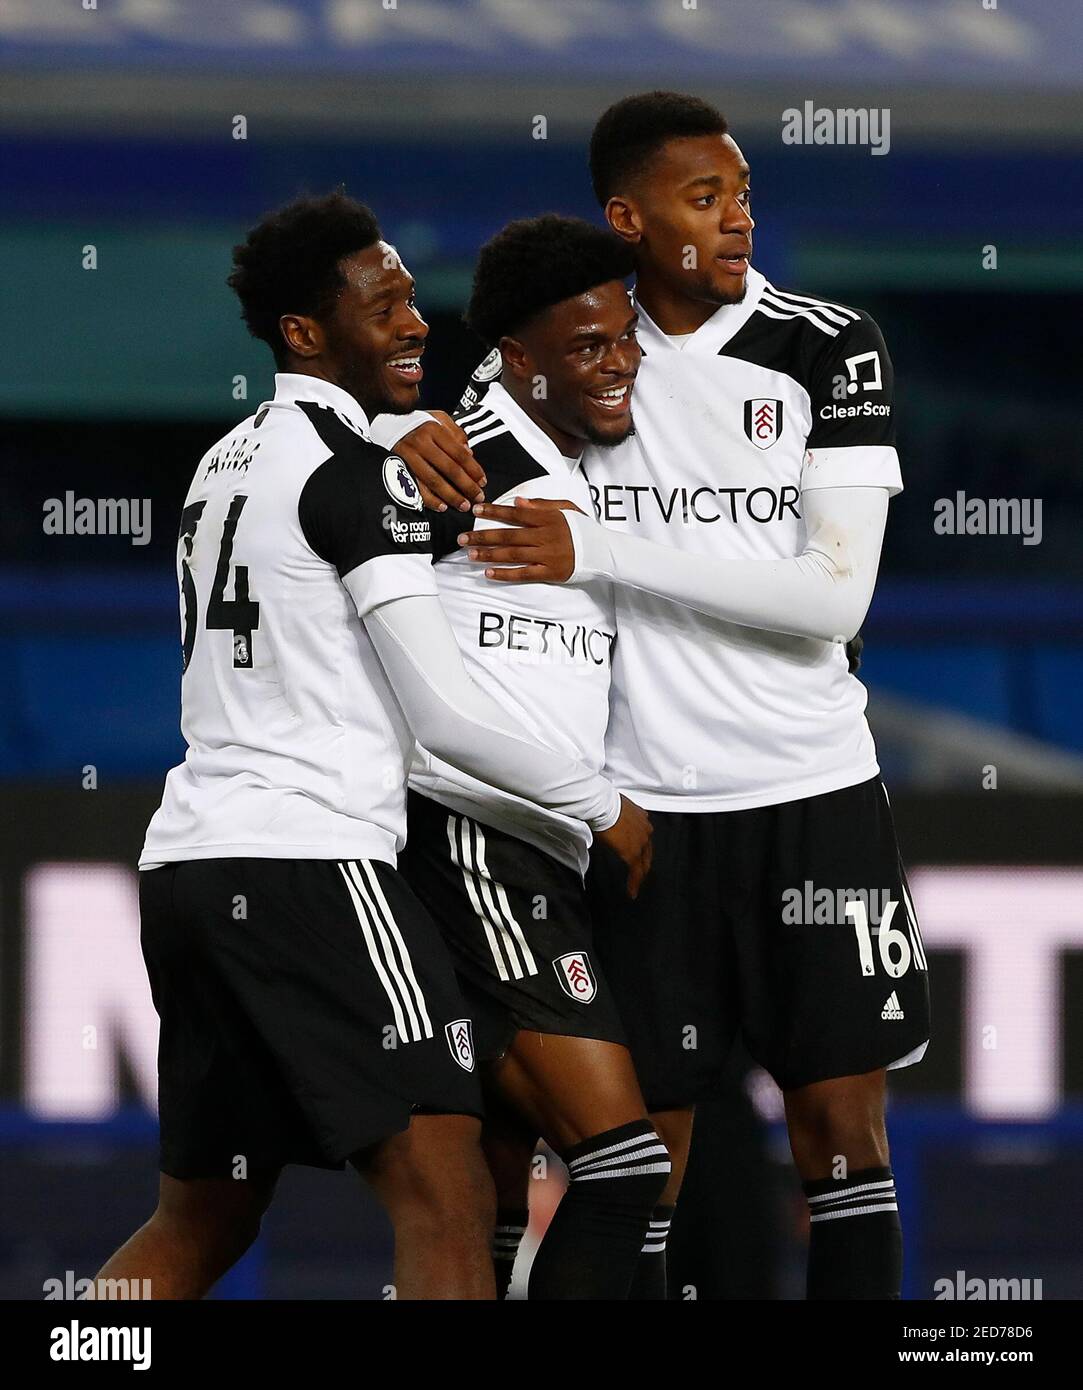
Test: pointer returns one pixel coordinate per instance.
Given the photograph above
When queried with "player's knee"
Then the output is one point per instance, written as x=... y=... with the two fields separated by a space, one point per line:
x=832 y=1129
x=443 y=1199
x=437 y=1218
x=220 y=1223
x=629 y=1166
x=220 y=1235
x=674 y=1128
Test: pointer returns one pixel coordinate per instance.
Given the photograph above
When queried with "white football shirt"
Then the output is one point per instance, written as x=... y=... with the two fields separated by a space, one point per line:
x=767 y=399
x=295 y=523
x=542 y=651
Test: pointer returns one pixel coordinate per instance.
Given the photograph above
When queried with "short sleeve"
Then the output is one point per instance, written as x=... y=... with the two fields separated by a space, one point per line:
x=361 y=511
x=390 y=577
x=852 y=394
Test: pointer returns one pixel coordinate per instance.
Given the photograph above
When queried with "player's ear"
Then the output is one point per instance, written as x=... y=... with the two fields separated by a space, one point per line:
x=304 y=336
x=623 y=217
x=516 y=358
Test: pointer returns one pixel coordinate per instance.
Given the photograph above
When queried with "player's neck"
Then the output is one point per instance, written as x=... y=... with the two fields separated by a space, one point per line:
x=672 y=311
x=303 y=367
x=568 y=445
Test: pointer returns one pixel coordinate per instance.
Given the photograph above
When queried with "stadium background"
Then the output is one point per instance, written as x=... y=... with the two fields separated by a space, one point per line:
x=120 y=128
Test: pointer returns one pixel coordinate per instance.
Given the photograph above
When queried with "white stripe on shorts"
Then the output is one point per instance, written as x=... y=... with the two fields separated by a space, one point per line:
x=397 y=972
x=489 y=901
x=374 y=955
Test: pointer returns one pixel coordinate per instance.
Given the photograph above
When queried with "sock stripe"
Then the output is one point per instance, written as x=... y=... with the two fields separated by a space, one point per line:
x=848 y=1192
x=654 y=1242
x=508 y=1233
x=844 y=1199
x=854 y=1211
x=625 y=1172
x=591 y=1165
x=646 y=1136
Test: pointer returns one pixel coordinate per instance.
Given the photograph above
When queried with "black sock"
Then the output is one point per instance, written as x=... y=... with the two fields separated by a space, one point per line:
x=511 y=1224
x=593 y=1243
x=649 y=1281
x=855 y=1239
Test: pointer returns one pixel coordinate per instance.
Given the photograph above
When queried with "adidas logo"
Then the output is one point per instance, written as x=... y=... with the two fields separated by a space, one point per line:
x=892 y=1008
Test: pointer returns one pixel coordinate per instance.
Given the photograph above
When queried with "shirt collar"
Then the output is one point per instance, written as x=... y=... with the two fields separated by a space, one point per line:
x=715 y=332
x=291 y=387
x=530 y=435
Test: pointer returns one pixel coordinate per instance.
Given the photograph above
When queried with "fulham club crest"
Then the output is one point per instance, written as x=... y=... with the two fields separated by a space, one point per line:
x=460 y=1038
x=763 y=421
x=576 y=977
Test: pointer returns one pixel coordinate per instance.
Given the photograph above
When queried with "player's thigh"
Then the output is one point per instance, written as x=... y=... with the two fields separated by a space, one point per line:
x=216 y=1204
x=667 y=958
x=338 y=981
x=225 y=1111
x=516 y=923
x=435 y=1167
x=508 y=1142
x=569 y=1088
x=833 y=974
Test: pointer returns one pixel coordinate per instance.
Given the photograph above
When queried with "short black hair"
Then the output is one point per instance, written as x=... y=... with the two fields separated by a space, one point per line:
x=633 y=130
x=536 y=262
x=289 y=263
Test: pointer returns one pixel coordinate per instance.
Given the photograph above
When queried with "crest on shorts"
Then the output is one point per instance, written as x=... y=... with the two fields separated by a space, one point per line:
x=460 y=1038
x=576 y=976
x=400 y=483
x=763 y=421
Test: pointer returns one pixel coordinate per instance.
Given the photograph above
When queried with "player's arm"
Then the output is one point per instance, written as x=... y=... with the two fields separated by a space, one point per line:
x=437 y=452
x=457 y=721
x=824 y=592
x=850 y=471
x=354 y=521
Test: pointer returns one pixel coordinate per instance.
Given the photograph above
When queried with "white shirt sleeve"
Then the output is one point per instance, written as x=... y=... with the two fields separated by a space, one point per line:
x=387 y=577
x=456 y=721
x=387 y=430
x=824 y=592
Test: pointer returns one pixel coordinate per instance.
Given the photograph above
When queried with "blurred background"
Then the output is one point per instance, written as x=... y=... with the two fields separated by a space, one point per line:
x=141 y=138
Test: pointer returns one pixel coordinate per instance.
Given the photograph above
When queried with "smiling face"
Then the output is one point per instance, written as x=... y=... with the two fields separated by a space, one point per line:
x=371 y=341
x=584 y=351
x=687 y=215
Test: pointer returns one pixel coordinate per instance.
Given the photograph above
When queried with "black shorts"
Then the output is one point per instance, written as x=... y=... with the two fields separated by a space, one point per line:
x=743 y=926
x=308 y=1008
x=516 y=923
